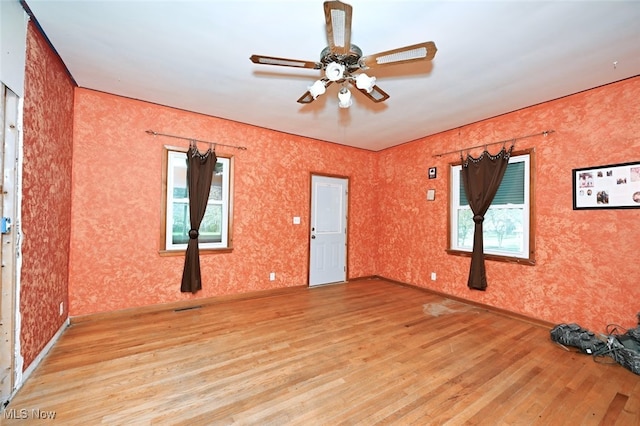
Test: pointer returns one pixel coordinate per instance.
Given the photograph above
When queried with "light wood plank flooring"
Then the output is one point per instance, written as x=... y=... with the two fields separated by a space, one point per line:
x=367 y=352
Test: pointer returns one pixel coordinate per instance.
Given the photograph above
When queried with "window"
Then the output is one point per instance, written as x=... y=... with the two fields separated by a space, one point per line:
x=214 y=229
x=507 y=224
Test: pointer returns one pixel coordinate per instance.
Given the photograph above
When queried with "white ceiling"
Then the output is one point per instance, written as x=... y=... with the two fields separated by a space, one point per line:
x=493 y=58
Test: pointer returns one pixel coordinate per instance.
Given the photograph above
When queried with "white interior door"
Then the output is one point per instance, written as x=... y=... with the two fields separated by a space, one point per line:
x=9 y=135
x=328 y=243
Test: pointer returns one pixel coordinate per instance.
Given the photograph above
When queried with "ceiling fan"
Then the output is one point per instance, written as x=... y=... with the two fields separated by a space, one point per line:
x=341 y=61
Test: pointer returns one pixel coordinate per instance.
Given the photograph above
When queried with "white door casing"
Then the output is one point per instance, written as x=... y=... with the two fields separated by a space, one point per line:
x=10 y=135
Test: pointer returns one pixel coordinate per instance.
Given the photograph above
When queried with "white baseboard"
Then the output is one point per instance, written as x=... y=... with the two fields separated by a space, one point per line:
x=22 y=377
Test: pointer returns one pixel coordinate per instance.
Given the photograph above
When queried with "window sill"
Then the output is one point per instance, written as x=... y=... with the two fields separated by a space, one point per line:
x=531 y=261
x=168 y=253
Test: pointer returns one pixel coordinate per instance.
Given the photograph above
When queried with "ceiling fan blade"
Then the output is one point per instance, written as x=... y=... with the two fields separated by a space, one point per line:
x=376 y=94
x=338 y=18
x=416 y=52
x=306 y=98
x=271 y=60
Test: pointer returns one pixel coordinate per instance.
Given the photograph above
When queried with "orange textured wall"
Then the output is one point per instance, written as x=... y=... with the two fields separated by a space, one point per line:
x=46 y=195
x=116 y=212
x=585 y=269
x=586 y=261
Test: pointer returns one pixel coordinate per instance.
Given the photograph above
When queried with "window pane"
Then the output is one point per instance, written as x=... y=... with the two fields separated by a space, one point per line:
x=511 y=190
x=180 y=192
x=211 y=225
x=466 y=228
x=215 y=193
x=502 y=230
x=461 y=193
x=179 y=173
x=181 y=223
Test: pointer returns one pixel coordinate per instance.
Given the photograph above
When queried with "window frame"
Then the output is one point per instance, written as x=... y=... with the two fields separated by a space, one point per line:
x=530 y=252
x=180 y=249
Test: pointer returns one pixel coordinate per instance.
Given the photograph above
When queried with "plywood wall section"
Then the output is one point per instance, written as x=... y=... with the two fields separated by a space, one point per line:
x=46 y=195
x=117 y=167
x=586 y=261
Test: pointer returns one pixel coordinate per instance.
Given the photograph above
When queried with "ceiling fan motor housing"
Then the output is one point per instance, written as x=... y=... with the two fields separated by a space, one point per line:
x=351 y=60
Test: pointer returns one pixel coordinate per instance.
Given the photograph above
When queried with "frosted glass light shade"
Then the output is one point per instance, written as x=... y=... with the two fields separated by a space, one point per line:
x=364 y=82
x=317 y=89
x=344 y=98
x=334 y=71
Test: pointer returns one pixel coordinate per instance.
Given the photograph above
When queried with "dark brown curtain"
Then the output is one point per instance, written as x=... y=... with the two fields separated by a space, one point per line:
x=481 y=178
x=200 y=168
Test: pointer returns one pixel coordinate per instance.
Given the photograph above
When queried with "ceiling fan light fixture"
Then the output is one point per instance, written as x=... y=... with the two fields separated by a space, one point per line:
x=316 y=89
x=364 y=82
x=342 y=62
x=334 y=71
x=344 y=98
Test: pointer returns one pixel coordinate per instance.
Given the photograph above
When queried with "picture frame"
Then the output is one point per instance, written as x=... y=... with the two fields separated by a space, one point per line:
x=432 y=172
x=613 y=186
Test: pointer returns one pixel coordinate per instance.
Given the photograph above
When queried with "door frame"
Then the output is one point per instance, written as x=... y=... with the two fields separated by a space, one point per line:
x=10 y=136
x=347 y=207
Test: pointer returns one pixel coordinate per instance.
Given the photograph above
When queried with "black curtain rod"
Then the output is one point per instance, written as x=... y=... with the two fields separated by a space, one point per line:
x=151 y=132
x=545 y=133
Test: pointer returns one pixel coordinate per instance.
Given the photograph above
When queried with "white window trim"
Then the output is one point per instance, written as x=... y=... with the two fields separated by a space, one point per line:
x=526 y=254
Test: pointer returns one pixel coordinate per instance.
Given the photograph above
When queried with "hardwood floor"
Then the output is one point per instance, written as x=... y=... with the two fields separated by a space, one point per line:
x=367 y=352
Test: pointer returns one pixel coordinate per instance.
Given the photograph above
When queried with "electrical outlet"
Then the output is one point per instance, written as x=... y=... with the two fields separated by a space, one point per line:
x=272 y=276
x=61 y=308
x=433 y=276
